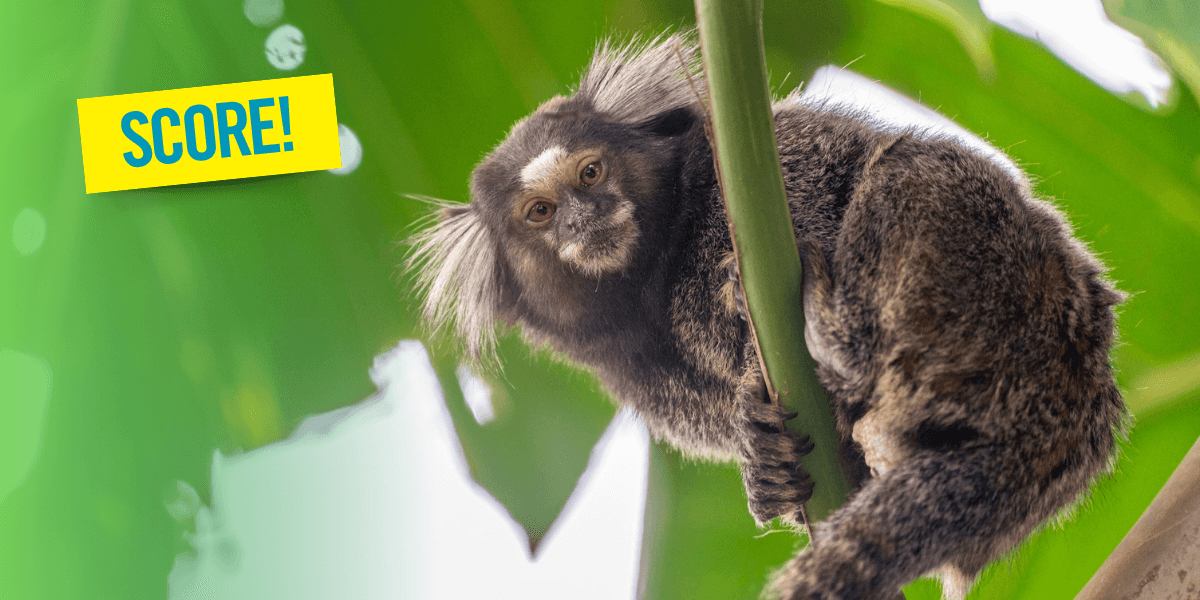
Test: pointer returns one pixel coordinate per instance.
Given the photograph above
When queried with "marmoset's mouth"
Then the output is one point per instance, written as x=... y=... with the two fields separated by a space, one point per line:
x=603 y=248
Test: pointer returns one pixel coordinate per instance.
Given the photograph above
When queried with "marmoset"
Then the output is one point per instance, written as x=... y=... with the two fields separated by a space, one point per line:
x=960 y=329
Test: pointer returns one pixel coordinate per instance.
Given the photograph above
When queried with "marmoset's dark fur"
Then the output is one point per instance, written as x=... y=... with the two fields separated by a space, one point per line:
x=960 y=329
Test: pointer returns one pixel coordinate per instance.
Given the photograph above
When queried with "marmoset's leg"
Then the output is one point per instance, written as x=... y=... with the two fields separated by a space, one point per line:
x=953 y=511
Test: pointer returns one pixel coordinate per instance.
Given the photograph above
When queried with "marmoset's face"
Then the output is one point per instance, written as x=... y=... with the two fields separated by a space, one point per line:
x=569 y=202
x=564 y=188
x=565 y=210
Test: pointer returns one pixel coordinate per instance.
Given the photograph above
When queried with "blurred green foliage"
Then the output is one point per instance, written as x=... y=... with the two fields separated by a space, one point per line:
x=170 y=321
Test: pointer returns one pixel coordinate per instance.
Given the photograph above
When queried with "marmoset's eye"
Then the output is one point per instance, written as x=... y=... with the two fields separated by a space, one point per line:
x=591 y=174
x=540 y=212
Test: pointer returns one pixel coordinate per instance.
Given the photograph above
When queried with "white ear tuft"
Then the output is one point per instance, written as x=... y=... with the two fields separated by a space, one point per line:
x=457 y=269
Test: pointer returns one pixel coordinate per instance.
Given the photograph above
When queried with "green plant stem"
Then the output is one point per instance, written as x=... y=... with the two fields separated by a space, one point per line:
x=761 y=226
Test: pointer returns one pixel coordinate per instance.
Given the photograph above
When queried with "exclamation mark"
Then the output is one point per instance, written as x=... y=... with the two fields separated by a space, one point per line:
x=287 y=121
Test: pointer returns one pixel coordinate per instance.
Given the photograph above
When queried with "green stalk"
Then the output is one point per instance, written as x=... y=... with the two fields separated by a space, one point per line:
x=748 y=170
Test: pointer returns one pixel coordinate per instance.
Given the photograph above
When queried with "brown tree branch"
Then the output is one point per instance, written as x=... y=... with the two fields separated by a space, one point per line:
x=1159 y=559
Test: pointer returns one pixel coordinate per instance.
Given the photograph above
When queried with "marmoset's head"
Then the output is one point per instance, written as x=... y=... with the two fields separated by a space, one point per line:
x=566 y=199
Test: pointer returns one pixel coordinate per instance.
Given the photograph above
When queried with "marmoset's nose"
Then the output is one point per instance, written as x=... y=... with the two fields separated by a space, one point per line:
x=585 y=209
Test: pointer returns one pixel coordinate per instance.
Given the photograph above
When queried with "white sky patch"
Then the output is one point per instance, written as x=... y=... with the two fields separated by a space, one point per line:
x=375 y=501
x=1081 y=35
x=542 y=166
x=477 y=395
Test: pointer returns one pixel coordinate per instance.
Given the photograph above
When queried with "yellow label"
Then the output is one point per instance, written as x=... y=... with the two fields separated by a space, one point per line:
x=209 y=133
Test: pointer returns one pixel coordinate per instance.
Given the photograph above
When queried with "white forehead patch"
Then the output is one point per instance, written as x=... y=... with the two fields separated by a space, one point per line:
x=542 y=166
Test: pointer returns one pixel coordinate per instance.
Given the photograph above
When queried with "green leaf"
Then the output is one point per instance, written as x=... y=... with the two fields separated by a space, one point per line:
x=548 y=416
x=180 y=319
x=25 y=386
x=699 y=540
x=966 y=21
